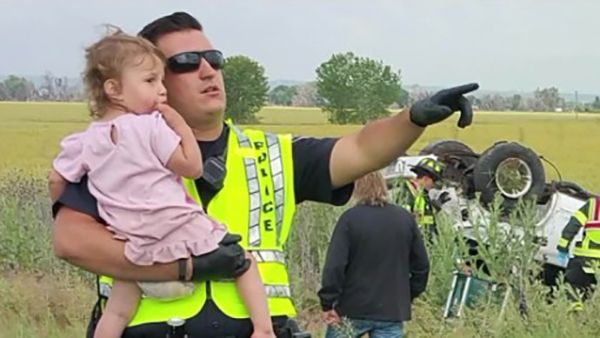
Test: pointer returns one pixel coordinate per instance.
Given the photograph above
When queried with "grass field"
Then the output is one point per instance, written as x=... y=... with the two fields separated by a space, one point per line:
x=30 y=133
x=44 y=297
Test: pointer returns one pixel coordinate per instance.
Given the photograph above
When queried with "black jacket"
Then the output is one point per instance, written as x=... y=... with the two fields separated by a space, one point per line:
x=376 y=264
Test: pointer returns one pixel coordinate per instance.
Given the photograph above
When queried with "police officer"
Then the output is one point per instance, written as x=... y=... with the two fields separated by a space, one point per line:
x=252 y=182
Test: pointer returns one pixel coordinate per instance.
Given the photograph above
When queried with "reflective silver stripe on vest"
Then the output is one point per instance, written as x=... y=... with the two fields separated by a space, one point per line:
x=253 y=190
x=104 y=290
x=268 y=256
x=278 y=291
x=276 y=162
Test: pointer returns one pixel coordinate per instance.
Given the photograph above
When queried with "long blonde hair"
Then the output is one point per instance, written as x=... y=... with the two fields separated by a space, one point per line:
x=371 y=189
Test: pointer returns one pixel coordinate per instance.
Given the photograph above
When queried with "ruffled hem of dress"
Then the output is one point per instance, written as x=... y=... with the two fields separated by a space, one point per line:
x=169 y=252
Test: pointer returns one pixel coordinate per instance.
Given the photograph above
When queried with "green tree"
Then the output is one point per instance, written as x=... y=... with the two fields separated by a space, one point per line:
x=596 y=103
x=282 y=95
x=18 y=88
x=403 y=99
x=515 y=102
x=356 y=89
x=246 y=88
x=3 y=92
x=306 y=95
x=547 y=99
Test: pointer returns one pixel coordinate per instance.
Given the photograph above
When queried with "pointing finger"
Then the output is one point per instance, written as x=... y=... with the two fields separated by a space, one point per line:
x=463 y=89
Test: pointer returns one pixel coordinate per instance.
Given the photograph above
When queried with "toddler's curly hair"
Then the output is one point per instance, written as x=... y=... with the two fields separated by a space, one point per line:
x=107 y=58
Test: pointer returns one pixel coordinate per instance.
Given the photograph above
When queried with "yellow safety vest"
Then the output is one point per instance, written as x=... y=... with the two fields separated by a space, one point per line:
x=420 y=206
x=589 y=246
x=257 y=201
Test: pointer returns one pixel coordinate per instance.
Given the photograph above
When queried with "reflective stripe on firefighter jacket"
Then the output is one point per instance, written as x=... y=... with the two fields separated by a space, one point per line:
x=588 y=217
x=418 y=203
x=257 y=201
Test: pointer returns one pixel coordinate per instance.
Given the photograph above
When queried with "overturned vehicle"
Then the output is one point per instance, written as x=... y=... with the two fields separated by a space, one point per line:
x=473 y=180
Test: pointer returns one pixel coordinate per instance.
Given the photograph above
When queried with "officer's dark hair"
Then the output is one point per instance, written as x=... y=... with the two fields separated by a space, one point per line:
x=176 y=22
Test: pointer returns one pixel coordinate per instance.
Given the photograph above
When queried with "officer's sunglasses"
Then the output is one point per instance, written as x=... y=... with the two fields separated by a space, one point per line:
x=190 y=61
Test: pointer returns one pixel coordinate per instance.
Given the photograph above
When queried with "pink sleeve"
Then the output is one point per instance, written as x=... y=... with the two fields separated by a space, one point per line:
x=164 y=139
x=69 y=162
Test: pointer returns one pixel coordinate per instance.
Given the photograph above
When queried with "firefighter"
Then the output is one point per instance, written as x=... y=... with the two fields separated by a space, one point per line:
x=580 y=273
x=414 y=194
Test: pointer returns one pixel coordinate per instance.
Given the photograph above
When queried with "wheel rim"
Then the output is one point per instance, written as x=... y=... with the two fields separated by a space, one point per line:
x=513 y=177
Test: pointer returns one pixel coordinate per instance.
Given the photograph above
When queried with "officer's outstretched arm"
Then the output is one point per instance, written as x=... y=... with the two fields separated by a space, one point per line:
x=380 y=142
x=82 y=241
x=373 y=147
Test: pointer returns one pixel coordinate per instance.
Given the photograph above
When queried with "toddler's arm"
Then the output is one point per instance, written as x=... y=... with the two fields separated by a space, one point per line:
x=186 y=160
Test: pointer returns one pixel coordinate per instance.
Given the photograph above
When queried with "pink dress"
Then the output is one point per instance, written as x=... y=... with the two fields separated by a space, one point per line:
x=141 y=200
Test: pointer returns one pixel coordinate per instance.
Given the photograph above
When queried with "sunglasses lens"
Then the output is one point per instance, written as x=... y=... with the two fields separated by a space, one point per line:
x=184 y=62
x=214 y=59
x=190 y=61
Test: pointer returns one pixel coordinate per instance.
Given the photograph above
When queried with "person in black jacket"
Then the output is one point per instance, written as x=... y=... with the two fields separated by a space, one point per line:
x=376 y=265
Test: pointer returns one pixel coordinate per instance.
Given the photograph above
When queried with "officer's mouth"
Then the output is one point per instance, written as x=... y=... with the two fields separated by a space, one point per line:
x=211 y=91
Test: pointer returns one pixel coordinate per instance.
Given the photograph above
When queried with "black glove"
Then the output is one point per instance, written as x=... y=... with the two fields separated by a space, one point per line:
x=442 y=104
x=228 y=261
x=440 y=200
x=443 y=197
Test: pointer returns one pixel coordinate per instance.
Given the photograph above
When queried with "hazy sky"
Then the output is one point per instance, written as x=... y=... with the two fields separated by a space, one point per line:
x=504 y=44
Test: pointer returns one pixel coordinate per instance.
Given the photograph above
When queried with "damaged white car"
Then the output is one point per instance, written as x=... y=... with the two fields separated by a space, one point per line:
x=506 y=168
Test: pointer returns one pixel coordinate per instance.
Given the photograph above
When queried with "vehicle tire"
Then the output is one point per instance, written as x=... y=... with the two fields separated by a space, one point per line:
x=446 y=147
x=573 y=189
x=508 y=168
x=456 y=156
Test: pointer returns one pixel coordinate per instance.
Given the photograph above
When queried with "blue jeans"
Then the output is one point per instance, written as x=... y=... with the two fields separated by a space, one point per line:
x=358 y=327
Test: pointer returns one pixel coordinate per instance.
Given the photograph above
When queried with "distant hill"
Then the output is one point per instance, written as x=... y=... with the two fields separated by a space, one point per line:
x=275 y=83
x=581 y=97
x=39 y=79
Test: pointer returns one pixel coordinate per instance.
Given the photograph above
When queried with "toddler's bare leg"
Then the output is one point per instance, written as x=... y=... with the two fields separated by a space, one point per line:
x=254 y=295
x=121 y=306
